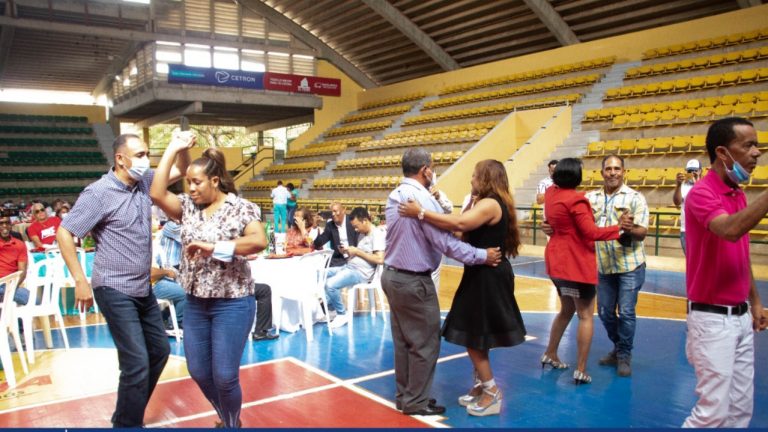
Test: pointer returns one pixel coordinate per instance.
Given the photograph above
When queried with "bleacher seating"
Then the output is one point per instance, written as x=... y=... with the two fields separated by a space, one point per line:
x=394 y=100
x=296 y=167
x=369 y=182
x=526 y=76
x=706 y=44
x=386 y=112
x=706 y=62
x=17 y=118
x=438 y=158
x=266 y=185
x=48 y=142
x=365 y=127
x=750 y=76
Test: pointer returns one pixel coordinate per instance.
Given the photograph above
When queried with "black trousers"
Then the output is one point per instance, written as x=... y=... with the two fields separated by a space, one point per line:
x=263 y=294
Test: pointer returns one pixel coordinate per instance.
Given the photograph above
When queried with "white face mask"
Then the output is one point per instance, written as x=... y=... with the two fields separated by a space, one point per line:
x=139 y=167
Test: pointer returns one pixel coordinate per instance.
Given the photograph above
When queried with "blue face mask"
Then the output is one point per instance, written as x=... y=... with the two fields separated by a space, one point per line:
x=737 y=174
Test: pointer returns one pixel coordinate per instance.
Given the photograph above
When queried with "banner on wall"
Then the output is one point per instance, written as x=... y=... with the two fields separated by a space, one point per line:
x=302 y=84
x=181 y=74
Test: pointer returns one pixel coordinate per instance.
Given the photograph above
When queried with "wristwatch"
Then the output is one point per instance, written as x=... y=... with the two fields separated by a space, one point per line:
x=421 y=214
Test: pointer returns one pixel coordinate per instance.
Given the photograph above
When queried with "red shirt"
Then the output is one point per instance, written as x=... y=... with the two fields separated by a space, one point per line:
x=46 y=231
x=717 y=270
x=11 y=254
x=570 y=252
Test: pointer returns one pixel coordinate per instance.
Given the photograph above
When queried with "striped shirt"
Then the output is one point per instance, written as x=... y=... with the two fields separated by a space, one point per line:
x=118 y=217
x=419 y=246
x=612 y=257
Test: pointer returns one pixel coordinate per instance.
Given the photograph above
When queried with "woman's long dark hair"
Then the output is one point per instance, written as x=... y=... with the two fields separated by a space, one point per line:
x=492 y=181
x=213 y=164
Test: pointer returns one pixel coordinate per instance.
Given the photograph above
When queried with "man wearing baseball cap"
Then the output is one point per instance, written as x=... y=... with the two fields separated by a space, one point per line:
x=685 y=182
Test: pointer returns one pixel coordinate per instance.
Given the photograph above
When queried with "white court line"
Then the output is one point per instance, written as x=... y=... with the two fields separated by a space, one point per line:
x=106 y=392
x=336 y=383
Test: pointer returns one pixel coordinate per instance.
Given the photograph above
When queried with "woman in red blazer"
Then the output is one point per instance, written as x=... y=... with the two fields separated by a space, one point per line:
x=570 y=261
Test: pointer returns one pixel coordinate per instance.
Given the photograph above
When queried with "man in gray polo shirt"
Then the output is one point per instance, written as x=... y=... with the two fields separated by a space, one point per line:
x=116 y=210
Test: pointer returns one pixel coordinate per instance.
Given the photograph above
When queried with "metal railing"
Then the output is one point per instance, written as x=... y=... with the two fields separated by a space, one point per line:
x=656 y=230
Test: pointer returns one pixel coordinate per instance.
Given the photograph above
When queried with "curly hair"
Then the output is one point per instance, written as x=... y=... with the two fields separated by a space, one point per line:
x=492 y=181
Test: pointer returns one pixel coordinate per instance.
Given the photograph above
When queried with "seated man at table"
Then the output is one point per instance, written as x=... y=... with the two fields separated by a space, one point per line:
x=360 y=265
x=42 y=232
x=13 y=258
x=263 y=329
x=165 y=271
x=338 y=232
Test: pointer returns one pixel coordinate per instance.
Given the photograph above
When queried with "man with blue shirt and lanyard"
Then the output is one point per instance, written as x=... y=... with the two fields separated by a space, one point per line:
x=116 y=210
x=621 y=269
x=414 y=250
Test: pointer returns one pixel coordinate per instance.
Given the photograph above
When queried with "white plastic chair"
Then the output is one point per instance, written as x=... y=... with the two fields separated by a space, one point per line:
x=53 y=268
x=8 y=323
x=374 y=290
x=172 y=310
x=309 y=288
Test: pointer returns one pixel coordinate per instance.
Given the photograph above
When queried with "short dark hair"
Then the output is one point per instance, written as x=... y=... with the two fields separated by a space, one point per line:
x=414 y=159
x=552 y=162
x=620 y=158
x=279 y=182
x=290 y=186
x=120 y=141
x=359 y=213
x=567 y=173
x=721 y=133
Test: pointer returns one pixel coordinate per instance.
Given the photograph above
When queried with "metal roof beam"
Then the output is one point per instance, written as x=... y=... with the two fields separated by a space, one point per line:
x=325 y=51
x=749 y=3
x=554 y=22
x=414 y=33
x=118 y=63
x=6 y=39
x=136 y=36
x=279 y=124
x=191 y=108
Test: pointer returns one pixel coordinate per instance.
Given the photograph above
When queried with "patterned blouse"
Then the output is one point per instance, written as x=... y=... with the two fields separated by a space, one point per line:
x=206 y=277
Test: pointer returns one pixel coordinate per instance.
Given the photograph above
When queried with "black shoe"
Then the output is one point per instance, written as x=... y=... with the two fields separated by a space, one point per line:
x=265 y=335
x=427 y=411
x=432 y=402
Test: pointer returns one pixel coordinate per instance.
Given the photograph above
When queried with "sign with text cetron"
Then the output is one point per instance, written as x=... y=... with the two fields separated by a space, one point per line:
x=180 y=74
x=302 y=84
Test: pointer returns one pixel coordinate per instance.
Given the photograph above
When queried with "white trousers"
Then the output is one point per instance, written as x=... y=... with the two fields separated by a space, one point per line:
x=722 y=351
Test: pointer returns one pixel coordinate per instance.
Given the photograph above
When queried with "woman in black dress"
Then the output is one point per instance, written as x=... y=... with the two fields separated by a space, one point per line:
x=484 y=313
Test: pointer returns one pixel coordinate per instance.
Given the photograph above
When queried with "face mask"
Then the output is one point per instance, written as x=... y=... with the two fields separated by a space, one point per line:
x=63 y=216
x=737 y=174
x=138 y=168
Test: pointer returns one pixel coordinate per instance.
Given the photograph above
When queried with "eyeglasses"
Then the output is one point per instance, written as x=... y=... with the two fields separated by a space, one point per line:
x=691 y=171
x=38 y=210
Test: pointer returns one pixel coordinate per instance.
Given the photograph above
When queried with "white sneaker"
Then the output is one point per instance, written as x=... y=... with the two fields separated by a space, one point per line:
x=340 y=321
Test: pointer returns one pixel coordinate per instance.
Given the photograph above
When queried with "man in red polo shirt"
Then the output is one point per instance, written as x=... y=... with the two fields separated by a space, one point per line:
x=13 y=253
x=721 y=324
x=43 y=230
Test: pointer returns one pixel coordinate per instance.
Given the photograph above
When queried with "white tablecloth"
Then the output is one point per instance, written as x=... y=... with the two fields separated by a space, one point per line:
x=281 y=275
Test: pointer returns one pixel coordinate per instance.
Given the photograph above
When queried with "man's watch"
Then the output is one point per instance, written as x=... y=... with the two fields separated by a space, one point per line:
x=421 y=214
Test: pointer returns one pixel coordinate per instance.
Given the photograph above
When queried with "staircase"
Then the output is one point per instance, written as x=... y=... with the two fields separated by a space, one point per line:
x=576 y=143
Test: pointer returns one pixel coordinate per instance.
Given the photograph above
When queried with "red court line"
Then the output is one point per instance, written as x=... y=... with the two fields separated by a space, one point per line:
x=171 y=400
x=337 y=407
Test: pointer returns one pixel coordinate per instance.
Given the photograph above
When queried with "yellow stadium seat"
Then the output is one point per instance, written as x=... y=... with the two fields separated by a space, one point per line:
x=679 y=145
x=643 y=146
x=654 y=177
x=661 y=145
x=698 y=143
x=611 y=147
x=595 y=148
x=634 y=176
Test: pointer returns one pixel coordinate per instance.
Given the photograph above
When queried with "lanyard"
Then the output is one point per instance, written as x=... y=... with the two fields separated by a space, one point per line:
x=607 y=203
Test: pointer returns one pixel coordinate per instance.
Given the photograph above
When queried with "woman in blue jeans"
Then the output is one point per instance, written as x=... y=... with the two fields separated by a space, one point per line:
x=218 y=230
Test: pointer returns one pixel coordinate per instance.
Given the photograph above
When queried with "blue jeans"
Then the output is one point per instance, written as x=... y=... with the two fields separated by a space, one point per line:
x=338 y=278
x=280 y=212
x=169 y=289
x=620 y=291
x=142 y=350
x=215 y=331
x=291 y=210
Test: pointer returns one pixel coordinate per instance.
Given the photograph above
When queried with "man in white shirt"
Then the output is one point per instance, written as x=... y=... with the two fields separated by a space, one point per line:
x=545 y=182
x=685 y=183
x=360 y=265
x=280 y=197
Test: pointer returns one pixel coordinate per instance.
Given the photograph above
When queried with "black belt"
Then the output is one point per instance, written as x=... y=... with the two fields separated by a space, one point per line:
x=739 y=310
x=414 y=273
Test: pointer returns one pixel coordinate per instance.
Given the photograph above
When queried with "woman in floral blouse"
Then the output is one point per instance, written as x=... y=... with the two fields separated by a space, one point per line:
x=218 y=230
